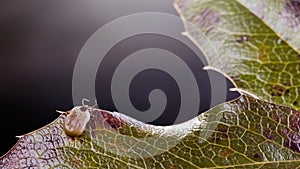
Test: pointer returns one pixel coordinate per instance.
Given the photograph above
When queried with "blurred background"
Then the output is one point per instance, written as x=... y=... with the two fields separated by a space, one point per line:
x=39 y=44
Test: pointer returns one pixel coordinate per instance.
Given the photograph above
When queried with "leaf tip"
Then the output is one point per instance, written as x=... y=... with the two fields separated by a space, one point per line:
x=184 y=33
x=243 y=92
x=61 y=112
x=19 y=136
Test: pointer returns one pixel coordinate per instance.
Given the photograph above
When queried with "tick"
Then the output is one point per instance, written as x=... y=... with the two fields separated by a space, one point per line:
x=76 y=119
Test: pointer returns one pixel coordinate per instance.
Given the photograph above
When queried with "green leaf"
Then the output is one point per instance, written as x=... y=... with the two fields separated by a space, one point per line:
x=249 y=50
x=281 y=16
x=244 y=133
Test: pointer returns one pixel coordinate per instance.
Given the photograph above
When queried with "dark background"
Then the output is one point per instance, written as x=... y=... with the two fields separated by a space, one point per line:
x=39 y=43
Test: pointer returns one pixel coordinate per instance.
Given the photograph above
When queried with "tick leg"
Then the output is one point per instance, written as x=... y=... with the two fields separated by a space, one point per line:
x=84 y=100
x=61 y=112
x=96 y=104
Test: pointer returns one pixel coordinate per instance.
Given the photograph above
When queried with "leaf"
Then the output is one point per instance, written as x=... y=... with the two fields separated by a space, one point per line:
x=237 y=42
x=281 y=16
x=244 y=133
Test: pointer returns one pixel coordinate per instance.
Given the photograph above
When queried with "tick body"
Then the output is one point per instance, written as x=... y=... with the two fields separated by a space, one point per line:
x=76 y=121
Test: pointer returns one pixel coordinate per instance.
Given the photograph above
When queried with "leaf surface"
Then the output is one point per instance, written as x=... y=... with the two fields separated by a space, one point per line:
x=244 y=133
x=249 y=43
x=283 y=16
